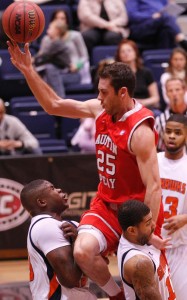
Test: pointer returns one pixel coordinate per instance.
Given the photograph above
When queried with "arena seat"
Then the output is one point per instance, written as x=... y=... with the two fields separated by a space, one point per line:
x=79 y=88
x=82 y=97
x=102 y=52
x=156 y=60
x=41 y=124
x=19 y=101
x=53 y=146
x=7 y=69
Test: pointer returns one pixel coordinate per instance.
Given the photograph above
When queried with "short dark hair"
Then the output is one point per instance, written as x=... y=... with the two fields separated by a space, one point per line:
x=179 y=118
x=31 y=192
x=120 y=75
x=131 y=213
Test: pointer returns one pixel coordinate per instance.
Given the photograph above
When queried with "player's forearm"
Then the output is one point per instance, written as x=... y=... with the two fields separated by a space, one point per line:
x=71 y=279
x=41 y=90
x=153 y=200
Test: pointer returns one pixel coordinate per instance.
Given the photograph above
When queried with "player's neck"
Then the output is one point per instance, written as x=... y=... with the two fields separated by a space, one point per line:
x=52 y=214
x=131 y=104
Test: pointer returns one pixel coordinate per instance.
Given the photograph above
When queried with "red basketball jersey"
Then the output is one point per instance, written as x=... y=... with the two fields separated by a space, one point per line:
x=118 y=170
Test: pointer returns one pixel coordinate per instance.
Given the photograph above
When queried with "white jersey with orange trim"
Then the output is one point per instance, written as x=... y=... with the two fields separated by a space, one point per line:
x=173 y=175
x=44 y=236
x=127 y=250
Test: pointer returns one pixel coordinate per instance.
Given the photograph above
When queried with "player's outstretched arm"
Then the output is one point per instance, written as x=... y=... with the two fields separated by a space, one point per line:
x=139 y=271
x=45 y=95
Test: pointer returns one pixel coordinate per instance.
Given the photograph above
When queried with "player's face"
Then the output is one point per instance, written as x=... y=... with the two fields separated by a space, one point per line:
x=174 y=136
x=145 y=230
x=110 y=101
x=57 y=200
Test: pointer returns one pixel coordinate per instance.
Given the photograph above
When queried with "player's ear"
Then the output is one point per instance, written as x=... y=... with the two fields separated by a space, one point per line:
x=123 y=91
x=41 y=202
x=131 y=230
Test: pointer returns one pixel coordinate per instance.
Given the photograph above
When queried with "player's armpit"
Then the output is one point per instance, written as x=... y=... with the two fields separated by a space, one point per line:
x=139 y=270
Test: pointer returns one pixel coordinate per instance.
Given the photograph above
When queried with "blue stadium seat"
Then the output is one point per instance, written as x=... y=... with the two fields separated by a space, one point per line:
x=5 y=3
x=68 y=126
x=82 y=97
x=53 y=146
x=156 y=60
x=79 y=88
x=20 y=100
x=102 y=52
x=19 y=107
x=12 y=81
x=41 y=124
x=7 y=69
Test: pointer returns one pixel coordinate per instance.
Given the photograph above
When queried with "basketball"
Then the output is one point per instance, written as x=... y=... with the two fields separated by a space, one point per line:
x=23 y=21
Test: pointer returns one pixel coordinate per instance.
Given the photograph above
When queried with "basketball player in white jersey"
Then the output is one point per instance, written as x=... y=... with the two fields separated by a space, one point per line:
x=53 y=272
x=173 y=173
x=143 y=268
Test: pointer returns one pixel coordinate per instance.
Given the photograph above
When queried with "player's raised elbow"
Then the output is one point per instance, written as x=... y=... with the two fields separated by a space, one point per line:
x=52 y=108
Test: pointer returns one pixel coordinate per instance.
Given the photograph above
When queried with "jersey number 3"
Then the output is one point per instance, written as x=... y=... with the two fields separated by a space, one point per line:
x=173 y=204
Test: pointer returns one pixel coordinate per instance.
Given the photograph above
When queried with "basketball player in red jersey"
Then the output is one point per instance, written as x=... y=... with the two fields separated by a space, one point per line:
x=126 y=158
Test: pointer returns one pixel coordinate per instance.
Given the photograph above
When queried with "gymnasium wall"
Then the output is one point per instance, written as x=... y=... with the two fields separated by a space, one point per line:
x=76 y=174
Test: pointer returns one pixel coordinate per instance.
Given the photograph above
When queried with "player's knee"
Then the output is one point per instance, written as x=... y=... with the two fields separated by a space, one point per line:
x=83 y=252
x=81 y=255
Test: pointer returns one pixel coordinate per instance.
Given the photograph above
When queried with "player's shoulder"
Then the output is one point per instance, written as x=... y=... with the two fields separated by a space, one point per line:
x=138 y=264
x=74 y=223
x=41 y=221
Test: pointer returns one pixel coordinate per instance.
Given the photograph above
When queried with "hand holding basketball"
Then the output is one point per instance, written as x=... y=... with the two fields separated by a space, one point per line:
x=23 y=21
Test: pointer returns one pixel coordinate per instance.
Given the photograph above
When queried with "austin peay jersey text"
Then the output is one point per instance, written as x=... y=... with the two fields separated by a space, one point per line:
x=118 y=170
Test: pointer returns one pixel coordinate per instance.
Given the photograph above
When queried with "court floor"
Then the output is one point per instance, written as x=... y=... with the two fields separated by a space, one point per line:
x=16 y=271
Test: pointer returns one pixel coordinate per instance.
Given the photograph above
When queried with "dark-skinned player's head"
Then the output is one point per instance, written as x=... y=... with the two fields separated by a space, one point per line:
x=40 y=196
x=136 y=221
x=175 y=133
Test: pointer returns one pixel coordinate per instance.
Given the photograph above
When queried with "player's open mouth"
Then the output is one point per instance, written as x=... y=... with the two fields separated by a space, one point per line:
x=171 y=144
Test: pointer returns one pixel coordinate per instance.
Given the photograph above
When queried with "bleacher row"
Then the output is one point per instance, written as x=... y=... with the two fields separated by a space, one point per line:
x=55 y=132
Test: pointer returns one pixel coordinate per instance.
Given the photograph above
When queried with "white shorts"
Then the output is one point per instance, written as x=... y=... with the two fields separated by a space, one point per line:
x=177 y=261
x=97 y=233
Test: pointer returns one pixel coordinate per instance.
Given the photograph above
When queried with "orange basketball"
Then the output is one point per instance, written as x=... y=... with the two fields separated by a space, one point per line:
x=23 y=21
